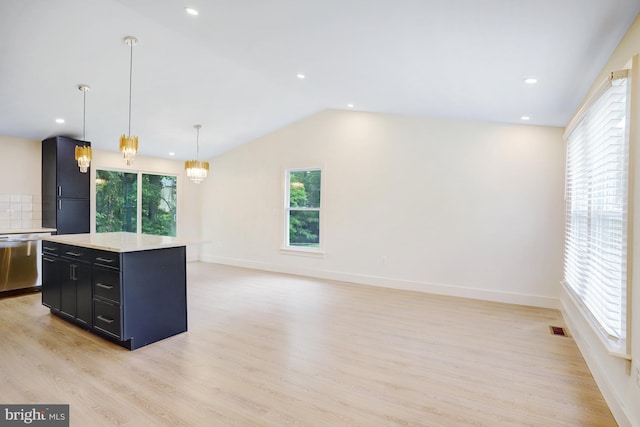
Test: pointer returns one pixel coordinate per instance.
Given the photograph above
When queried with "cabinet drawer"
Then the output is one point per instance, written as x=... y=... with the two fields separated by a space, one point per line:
x=107 y=318
x=50 y=248
x=75 y=252
x=106 y=283
x=106 y=258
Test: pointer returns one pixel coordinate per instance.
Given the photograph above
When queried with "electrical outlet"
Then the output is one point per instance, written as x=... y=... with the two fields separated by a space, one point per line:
x=636 y=372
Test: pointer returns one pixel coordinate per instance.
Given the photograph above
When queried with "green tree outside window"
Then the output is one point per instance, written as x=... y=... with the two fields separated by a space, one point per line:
x=117 y=202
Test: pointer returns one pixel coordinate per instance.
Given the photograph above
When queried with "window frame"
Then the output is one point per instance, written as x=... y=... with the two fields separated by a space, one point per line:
x=585 y=216
x=287 y=248
x=139 y=174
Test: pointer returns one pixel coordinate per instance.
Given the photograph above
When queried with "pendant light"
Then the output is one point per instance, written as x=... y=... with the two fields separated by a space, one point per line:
x=197 y=170
x=83 y=153
x=128 y=143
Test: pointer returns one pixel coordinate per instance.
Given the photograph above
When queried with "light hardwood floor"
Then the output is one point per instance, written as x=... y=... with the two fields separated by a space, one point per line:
x=266 y=349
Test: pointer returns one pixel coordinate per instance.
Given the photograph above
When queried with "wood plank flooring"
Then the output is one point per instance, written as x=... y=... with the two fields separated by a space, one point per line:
x=266 y=349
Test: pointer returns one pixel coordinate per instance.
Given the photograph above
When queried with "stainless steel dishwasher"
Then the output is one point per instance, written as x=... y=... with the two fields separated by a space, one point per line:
x=19 y=261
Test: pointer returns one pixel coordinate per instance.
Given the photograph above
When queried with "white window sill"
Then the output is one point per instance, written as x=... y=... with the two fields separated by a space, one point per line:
x=614 y=348
x=311 y=253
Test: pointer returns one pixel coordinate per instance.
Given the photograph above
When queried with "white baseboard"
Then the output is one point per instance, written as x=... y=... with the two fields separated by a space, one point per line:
x=579 y=335
x=387 y=282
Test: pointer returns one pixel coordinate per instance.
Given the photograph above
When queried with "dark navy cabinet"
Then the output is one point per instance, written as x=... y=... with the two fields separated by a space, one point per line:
x=75 y=280
x=51 y=283
x=65 y=190
x=132 y=298
x=66 y=282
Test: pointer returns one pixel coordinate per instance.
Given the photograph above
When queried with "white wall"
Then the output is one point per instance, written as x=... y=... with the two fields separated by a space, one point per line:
x=455 y=207
x=20 y=188
x=20 y=165
x=613 y=374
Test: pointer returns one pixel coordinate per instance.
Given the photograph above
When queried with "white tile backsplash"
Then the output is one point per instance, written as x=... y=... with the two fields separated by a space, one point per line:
x=20 y=211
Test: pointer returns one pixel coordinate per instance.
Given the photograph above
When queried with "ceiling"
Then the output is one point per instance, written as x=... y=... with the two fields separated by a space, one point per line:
x=233 y=67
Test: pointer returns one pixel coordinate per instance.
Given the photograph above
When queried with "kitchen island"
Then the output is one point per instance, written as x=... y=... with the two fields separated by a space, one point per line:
x=129 y=288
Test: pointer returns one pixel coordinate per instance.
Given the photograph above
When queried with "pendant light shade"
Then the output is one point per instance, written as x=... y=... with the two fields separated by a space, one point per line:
x=128 y=148
x=196 y=170
x=129 y=143
x=83 y=153
x=83 y=156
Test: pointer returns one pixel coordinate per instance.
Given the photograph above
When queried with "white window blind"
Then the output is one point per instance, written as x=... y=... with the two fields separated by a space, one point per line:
x=597 y=187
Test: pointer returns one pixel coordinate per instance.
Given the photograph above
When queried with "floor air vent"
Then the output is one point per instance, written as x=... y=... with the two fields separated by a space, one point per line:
x=558 y=330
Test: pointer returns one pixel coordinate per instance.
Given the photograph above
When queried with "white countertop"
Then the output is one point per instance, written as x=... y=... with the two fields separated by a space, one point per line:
x=119 y=241
x=28 y=231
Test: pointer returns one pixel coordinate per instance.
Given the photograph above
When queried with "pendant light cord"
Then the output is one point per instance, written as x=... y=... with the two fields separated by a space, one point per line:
x=84 y=113
x=197 y=143
x=130 y=79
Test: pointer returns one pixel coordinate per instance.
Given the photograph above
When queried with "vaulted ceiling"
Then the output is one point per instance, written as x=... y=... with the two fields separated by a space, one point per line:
x=234 y=67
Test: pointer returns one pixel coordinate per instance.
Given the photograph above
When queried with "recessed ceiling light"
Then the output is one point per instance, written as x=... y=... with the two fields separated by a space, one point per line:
x=300 y=76
x=350 y=105
x=191 y=11
x=530 y=80
x=172 y=153
x=59 y=121
x=525 y=118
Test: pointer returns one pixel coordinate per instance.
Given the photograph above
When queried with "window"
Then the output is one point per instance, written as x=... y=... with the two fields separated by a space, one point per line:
x=117 y=202
x=159 y=202
x=597 y=185
x=303 y=209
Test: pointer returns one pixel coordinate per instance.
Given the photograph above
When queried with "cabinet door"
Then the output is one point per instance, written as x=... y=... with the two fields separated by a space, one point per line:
x=71 y=183
x=73 y=216
x=84 y=300
x=51 y=282
x=68 y=292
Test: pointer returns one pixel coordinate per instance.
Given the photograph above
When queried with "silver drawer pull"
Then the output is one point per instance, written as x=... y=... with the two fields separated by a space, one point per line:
x=46 y=248
x=104 y=259
x=48 y=259
x=104 y=319
x=103 y=286
x=73 y=253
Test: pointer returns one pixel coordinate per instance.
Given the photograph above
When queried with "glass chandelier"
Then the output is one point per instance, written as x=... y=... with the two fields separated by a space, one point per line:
x=83 y=153
x=128 y=143
x=196 y=170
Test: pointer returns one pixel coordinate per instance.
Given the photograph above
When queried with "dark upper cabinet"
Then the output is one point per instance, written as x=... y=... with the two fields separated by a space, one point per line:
x=65 y=190
x=61 y=176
